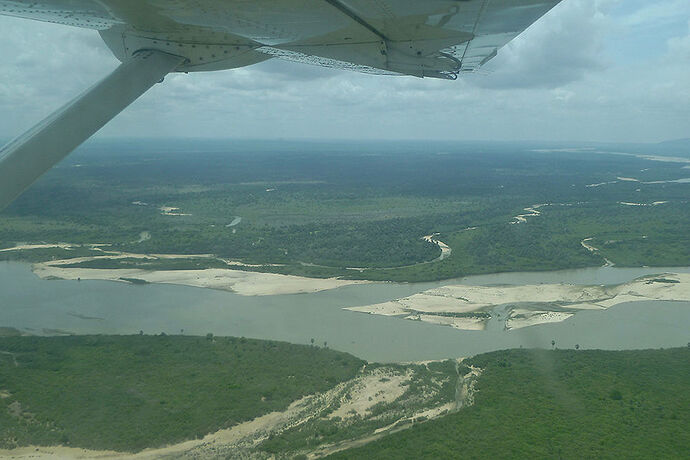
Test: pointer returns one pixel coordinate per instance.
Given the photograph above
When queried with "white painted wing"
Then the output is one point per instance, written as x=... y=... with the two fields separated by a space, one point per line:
x=471 y=31
x=425 y=38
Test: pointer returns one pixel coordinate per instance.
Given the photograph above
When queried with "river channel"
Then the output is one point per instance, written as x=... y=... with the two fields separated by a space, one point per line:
x=93 y=307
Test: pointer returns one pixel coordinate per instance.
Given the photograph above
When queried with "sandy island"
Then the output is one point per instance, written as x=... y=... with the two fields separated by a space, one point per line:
x=241 y=282
x=472 y=307
x=237 y=281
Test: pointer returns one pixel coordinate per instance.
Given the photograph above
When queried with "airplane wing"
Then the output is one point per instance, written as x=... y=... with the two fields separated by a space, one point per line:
x=422 y=38
x=428 y=38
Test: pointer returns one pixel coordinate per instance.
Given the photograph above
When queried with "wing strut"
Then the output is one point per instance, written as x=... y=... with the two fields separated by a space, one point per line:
x=26 y=158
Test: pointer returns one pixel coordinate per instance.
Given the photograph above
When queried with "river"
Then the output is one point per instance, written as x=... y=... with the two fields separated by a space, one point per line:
x=90 y=307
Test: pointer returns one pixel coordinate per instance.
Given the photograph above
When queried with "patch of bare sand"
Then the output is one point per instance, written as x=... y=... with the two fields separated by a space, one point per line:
x=531 y=211
x=382 y=385
x=431 y=301
x=464 y=396
x=23 y=247
x=446 y=250
x=465 y=324
x=585 y=244
x=438 y=300
x=171 y=211
x=116 y=255
x=483 y=296
x=520 y=318
x=393 y=308
x=423 y=306
x=66 y=246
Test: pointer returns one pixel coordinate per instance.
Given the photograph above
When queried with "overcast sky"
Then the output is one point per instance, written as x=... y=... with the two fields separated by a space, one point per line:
x=590 y=70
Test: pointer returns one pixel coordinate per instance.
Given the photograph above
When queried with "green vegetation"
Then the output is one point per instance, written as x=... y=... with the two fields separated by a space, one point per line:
x=152 y=264
x=131 y=392
x=9 y=332
x=322 y=209
x=134 y=280
x=560 y=404
x=41 y=255
x=629 y=236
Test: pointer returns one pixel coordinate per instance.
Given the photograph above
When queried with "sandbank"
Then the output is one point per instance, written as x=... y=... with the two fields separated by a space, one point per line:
x=237 y=281
x=527 y=305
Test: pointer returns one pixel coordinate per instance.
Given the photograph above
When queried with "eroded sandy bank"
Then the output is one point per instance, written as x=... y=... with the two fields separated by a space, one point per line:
x=375 y=397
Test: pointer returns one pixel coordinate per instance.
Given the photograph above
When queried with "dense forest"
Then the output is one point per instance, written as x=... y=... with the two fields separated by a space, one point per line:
x=132 y=392
x=320 y=209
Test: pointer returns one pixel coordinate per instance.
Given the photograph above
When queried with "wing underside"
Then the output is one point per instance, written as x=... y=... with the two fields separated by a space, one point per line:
x=424 y=38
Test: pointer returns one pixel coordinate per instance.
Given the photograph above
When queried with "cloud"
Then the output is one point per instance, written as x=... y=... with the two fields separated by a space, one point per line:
x=566 y=78
x=679 y=48
x=657 y=13
x=279 y=69
x=43 y=66
x=561 y=48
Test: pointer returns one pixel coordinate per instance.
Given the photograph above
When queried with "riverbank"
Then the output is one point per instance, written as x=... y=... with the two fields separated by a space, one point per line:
x=474 y=307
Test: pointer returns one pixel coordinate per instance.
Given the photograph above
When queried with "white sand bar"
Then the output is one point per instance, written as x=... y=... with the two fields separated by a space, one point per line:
x=465 y=324
x=240 y=282
x=527 y=305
